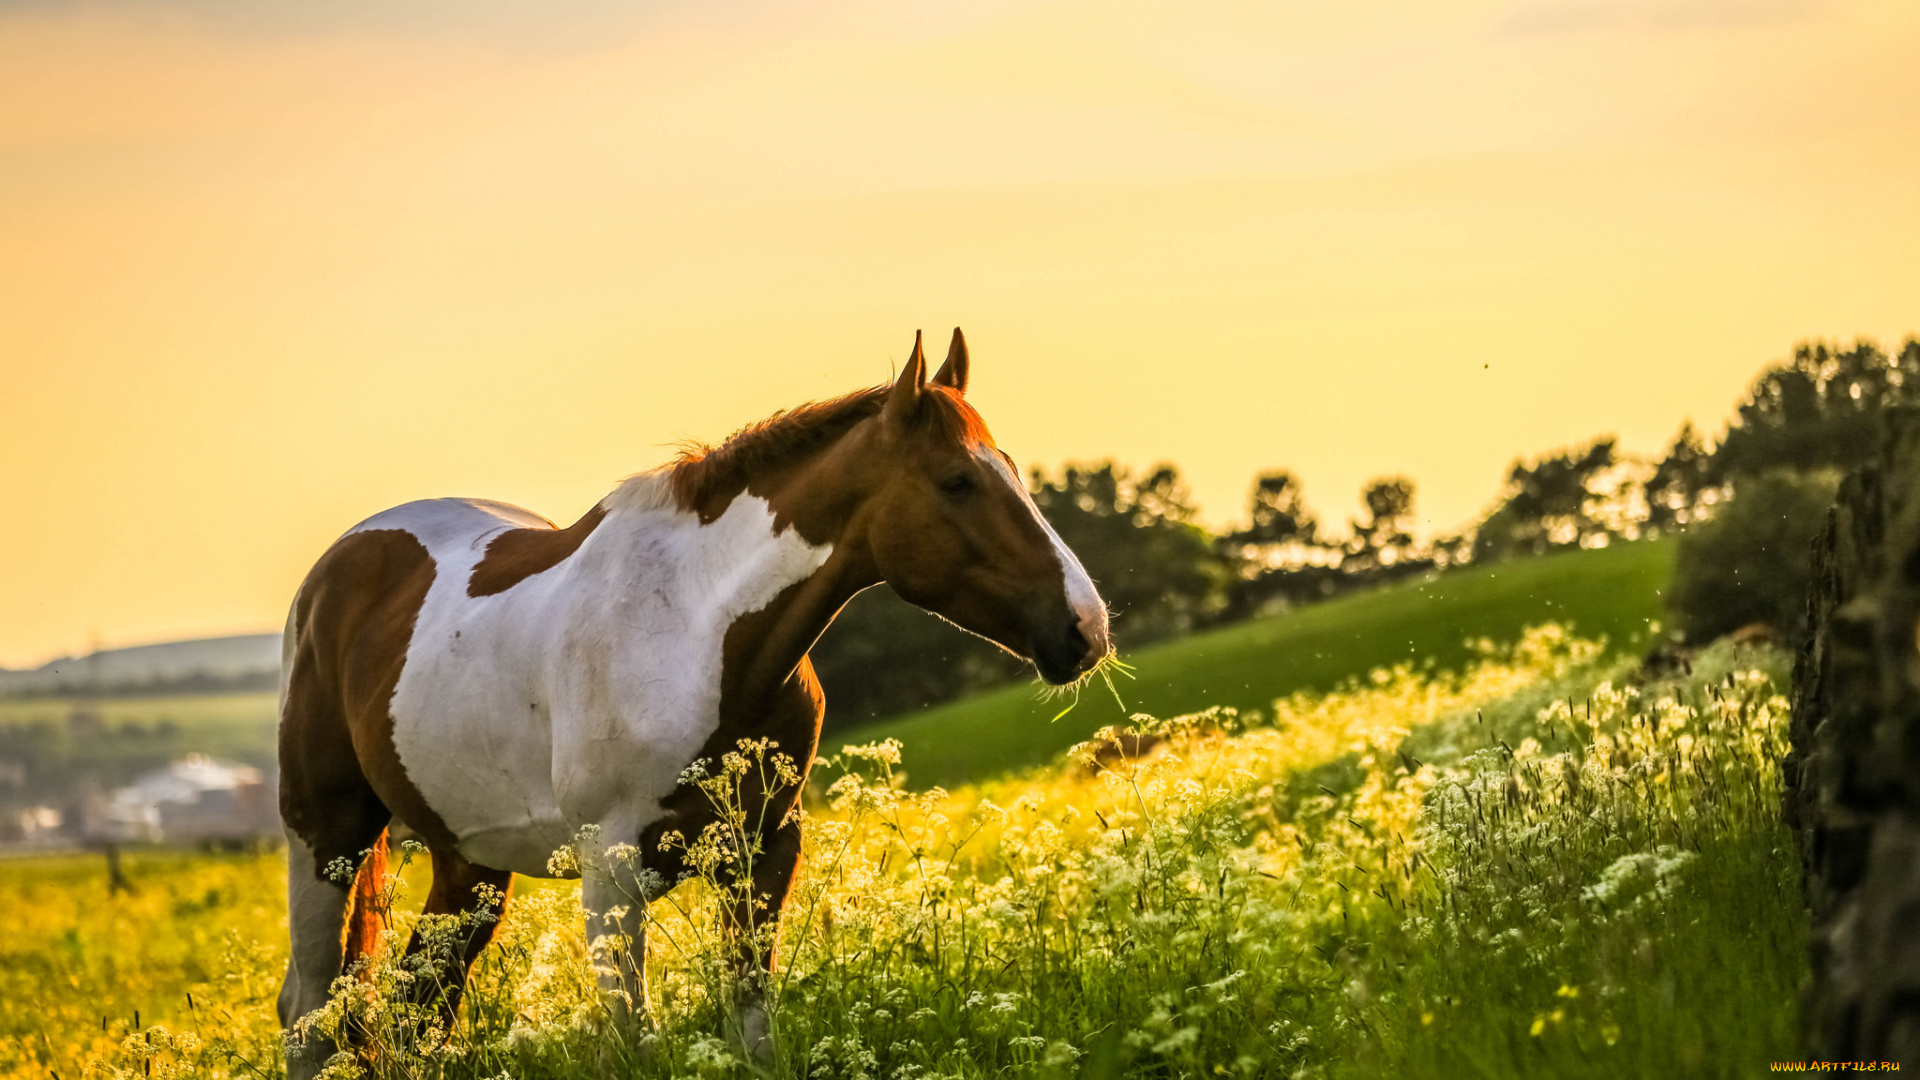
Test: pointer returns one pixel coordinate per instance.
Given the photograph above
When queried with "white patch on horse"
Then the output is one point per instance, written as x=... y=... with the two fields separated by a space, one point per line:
x=1082 y=599
x=579 y=695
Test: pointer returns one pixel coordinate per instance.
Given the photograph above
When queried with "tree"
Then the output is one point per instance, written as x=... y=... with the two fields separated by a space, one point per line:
x=1281 y=531
x=1159 y=572
x=1279 y=512
x=1280 y=559
x=883 y=656
x=1384 y=537
x=1682 y=486
x=1819 y=409
x=1556 y=502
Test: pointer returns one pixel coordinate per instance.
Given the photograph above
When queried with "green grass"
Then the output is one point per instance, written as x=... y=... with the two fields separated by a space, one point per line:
x=1612 y=593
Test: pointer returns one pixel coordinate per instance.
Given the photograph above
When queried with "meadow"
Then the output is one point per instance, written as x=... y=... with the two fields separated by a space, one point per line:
x=1540 y=862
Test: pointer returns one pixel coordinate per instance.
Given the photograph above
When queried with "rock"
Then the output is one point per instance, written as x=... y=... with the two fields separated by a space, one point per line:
x=1853 y=774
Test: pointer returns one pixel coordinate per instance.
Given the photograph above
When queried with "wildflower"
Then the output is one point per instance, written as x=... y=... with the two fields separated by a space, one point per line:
x=1631 y=878
x=706 y=1054
x=884 y=752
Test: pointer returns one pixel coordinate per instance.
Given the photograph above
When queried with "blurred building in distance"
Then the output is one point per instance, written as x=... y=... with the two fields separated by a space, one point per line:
x=196 y=800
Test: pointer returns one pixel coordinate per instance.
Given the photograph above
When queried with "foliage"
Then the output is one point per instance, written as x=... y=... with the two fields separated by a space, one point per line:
x=1285 y=561
x=1804 y=420
x=1682 y=484
x=1384 y=538
x=1431 y=875
x=1158 y=571
x=1278 y=515
x=1818 y=410
x=1575 y=498
x=185 y=684
x=883 y=656
x=1750 y=563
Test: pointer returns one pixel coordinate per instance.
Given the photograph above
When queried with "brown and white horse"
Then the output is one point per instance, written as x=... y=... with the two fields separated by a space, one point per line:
x=497 y=683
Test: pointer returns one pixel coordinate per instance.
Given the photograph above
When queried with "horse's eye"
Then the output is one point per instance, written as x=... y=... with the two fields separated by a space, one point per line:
x=957 y=486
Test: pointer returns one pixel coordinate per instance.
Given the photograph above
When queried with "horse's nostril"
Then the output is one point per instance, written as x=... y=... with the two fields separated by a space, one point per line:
x=1076 y=640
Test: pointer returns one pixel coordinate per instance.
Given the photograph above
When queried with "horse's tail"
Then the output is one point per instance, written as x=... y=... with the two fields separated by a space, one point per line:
x=367 y=914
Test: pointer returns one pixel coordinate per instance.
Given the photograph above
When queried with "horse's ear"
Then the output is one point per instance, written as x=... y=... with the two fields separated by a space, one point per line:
x=954 y=372
x=903 y=401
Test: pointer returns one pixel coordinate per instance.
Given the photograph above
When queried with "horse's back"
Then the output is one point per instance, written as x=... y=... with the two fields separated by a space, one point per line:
x=446 y=526
x=356 y=608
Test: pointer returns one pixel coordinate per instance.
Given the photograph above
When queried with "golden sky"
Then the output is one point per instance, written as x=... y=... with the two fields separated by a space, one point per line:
x=268 y=267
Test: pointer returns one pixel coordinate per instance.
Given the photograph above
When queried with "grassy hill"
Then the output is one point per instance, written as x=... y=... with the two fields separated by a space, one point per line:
x=209 y=665
x=1613 y=592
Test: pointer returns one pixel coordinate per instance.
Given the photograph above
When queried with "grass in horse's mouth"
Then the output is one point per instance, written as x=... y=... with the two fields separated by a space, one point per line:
x=1103 y=669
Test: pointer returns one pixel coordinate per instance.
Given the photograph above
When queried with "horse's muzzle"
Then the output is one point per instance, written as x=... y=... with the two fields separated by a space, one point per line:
x=1071 y=651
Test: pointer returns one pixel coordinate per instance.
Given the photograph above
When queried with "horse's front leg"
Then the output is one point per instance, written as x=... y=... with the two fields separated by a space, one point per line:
x=443 y=954
x=616 y=907
x=756 y=926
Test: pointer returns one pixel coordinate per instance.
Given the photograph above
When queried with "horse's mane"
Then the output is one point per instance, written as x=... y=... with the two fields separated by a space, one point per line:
x=701 y=470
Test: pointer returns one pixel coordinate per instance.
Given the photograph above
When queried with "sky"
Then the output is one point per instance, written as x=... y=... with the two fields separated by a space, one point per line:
x=268 y=267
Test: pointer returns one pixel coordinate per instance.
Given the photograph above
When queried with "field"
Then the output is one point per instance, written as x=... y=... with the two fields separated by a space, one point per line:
x=1481 y=860
x=191 y=713
x=1543 y=864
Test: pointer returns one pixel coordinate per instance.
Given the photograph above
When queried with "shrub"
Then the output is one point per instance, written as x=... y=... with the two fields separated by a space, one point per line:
x=1749 y=563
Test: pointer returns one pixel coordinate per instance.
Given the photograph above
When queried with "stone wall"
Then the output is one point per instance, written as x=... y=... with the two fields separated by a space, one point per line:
x=1853 y=777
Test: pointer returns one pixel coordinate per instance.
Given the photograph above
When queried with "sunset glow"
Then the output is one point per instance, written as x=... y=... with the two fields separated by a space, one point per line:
x=268 y=269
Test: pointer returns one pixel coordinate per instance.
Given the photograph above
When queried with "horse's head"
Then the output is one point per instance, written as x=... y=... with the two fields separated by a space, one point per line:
x=952 y=529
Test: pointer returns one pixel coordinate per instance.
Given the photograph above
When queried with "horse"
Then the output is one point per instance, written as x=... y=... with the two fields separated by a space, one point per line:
x=507 y=688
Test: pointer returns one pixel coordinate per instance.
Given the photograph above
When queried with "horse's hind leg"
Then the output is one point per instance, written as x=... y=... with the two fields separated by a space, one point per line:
x=464 y=909
x=333 y=821
x=318 y=908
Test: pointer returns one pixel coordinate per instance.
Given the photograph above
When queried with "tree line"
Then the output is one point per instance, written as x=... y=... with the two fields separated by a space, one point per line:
x=1163 y=574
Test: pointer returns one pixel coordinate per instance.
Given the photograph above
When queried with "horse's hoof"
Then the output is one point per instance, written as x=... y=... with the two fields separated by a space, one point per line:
x=307 y=1058
x=626 y=1036
x=623 y=1047
x=756 y=1033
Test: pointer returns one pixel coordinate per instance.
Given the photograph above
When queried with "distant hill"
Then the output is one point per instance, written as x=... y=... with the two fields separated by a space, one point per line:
x=243 y=662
